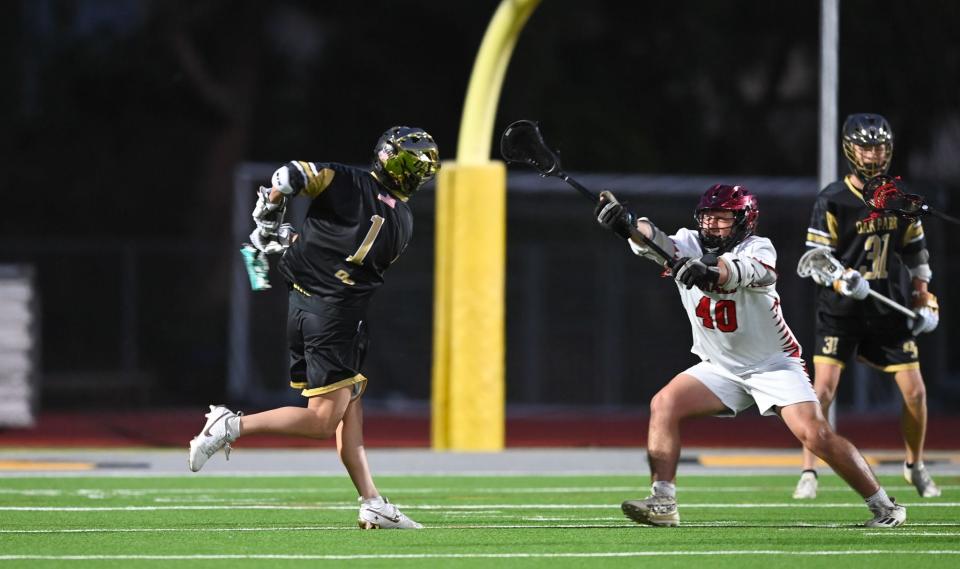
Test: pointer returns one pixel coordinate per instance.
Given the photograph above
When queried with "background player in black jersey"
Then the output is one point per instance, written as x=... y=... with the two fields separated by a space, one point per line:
x=888 y=254
x=356 y=226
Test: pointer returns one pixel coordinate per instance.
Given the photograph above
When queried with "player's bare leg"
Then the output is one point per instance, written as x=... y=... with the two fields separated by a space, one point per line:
x=682 y=398
x=826 y=380
x=913 y=426
x=913 y=418
x=319 y=420
x=376 y=512
x=807 y=423
x=351 y=450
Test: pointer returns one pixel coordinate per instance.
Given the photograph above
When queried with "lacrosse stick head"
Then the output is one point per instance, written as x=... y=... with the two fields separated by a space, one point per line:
x=821 y=265
x=884 y=194
x=522 y=143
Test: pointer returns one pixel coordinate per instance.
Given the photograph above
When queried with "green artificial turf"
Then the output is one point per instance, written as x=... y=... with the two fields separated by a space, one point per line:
x=476 y=521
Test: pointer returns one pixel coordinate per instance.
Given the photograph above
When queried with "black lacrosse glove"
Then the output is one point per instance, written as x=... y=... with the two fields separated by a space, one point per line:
x=702 y=273
x=614 y=215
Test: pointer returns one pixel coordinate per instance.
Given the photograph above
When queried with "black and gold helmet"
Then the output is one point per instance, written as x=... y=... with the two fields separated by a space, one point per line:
x=405 y=159
x=867 y=144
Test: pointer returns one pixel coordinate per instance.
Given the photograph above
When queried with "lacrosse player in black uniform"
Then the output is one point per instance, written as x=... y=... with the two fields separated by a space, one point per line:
x=886 y=253
x=357 y=225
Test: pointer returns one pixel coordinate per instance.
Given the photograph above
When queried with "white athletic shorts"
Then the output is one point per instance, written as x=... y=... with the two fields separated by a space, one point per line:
x=779 y=387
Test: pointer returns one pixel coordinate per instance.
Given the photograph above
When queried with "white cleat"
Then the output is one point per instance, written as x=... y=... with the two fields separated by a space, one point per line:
x=215 y=436
x=806 y=487
x=920 y=478
x=888 y=517
x=379 y=513
x=653 y=510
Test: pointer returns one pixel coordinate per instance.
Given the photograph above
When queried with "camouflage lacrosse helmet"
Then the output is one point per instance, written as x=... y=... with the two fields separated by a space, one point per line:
x=404 y=159
x=869 y=132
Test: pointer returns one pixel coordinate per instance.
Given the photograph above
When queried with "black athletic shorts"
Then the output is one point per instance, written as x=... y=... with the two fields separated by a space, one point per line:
x=884 y=342
x=326 y=352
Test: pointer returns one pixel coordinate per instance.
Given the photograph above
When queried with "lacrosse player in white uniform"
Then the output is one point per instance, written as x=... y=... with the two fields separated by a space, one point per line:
x=727 y=282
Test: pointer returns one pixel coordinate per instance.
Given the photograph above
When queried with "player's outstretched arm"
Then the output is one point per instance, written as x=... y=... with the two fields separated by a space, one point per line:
x=291 y=179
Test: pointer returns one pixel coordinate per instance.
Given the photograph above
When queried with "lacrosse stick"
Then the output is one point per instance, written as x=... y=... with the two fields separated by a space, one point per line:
x=257 y=267
x=820 y=262
x=883 y=195
x=523 y=143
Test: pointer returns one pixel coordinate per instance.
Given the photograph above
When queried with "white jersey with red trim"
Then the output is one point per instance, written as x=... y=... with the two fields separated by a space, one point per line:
x=741 y=329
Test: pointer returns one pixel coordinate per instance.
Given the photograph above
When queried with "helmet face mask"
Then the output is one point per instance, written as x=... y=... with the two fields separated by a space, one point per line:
x=867 y=144
x=404 y=159
x=711 y=227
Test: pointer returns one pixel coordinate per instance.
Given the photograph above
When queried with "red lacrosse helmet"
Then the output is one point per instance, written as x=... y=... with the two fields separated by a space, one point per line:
x=723 y=197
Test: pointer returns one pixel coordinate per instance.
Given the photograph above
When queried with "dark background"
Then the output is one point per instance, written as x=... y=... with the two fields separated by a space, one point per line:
x=122 y=122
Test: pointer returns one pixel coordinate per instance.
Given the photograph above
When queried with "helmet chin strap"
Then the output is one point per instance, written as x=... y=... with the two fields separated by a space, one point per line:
x=711 y=243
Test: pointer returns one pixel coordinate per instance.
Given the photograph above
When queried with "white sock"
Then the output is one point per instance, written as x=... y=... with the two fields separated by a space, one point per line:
x=879 y=500
x=662 y=488
x=233 y=428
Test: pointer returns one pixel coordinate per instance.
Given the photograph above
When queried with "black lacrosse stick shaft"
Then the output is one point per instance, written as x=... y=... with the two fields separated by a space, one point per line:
x=945 y=217
x=594 y=198
x=578 y=186
x=523 y=143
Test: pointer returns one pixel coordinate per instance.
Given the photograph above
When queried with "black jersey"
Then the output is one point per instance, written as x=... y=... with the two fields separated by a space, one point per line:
x=353 y=231
x=873 y=245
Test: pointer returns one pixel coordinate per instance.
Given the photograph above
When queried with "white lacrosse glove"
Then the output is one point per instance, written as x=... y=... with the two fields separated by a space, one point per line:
x=265 y=242
x=271 y=243
x=268 y=216
x=852 y=284
x=286 y=235
x=928 y=314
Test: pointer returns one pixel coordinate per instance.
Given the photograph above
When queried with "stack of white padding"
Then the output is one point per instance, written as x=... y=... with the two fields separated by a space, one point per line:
x=19 y=346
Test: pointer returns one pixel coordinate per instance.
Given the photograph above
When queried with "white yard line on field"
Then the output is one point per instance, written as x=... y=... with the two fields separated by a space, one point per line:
x=531 y=555
x=100 y=493
x=901 y=533
x=471 y=507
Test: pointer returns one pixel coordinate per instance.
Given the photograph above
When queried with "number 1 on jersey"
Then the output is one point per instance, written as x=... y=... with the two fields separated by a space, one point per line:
x=361 y=254
x=358 y=257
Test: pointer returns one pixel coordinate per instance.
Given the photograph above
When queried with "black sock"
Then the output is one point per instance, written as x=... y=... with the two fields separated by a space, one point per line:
x=806 y=470
x=909 y=465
